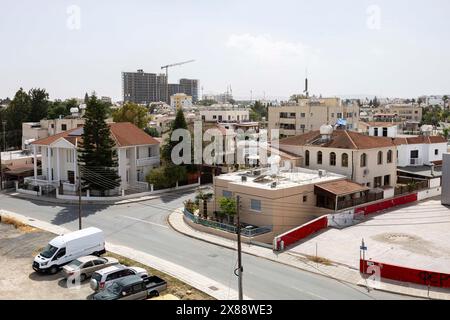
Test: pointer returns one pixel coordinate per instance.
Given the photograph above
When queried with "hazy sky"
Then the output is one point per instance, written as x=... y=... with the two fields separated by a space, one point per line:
x=387 y=48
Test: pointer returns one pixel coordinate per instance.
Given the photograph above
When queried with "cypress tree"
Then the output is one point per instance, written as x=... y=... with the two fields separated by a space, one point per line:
x=97 y=156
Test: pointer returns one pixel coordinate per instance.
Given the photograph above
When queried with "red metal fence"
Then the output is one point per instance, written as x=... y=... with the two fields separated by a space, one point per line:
x=383 y=205
x=301 y=232
x=393 y=272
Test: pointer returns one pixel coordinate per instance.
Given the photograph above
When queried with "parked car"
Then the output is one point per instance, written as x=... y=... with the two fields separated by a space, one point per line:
x=104 y=277
x=66 y=248
x=87 y=265
x=132 y=288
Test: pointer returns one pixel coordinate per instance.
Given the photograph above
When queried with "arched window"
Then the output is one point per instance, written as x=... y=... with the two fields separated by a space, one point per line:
x=363 y=160
x=389 y=156
x=380 y=157
x=344 y=161
x=333 y=159
x=307 y=158
x=319 y=157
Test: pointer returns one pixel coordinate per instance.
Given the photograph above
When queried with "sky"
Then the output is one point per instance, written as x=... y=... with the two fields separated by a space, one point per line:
x=395 y=48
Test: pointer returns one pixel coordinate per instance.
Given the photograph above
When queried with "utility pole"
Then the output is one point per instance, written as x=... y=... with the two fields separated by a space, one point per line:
x=79 y=197
x=4 y=149
x=239 y=269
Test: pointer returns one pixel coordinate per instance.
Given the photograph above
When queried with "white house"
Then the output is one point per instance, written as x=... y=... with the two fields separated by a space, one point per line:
x=224 y=113
x=420 y=150
x=137 y=154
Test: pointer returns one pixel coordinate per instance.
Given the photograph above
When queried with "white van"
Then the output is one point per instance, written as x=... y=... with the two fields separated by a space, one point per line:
x=66 y=248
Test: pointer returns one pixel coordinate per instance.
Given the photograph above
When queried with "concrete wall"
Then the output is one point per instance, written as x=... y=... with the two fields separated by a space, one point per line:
x=426 y=153
x=446 y=179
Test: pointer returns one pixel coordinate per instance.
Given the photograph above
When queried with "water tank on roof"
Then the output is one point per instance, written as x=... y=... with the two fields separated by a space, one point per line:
x=74 y=110
x=326 y=129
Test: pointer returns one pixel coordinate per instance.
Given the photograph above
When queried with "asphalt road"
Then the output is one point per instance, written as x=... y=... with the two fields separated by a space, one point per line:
x=143 y=226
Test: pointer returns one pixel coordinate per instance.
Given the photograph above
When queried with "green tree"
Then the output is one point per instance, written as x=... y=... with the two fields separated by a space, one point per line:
x=131 y=112
x=229 y=207
x=297 y=97
x=38 y=104
x=204 y=197
x=18 y=112
x=166 y=177
x=445 y=133
x=178 y=123
x=445 y=100
x=151 y=131
x=96 y=151
x=61 y=108
x=258 y=111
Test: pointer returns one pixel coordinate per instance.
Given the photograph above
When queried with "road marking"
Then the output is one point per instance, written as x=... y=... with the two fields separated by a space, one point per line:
x=309 y=293
x=145 y=221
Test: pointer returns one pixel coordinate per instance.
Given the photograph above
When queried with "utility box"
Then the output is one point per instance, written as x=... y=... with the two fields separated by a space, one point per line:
x=446 y=179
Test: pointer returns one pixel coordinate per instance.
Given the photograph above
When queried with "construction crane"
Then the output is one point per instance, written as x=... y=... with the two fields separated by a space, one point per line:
x=167 y=75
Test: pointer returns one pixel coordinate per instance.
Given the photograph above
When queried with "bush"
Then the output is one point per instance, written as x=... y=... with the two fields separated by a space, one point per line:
x=166 y=177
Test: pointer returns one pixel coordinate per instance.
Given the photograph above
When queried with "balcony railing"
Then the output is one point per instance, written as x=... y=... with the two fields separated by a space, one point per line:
x=415 y=162
x=147 y=161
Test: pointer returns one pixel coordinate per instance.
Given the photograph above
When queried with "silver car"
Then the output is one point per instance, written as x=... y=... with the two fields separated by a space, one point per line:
x=86 y=266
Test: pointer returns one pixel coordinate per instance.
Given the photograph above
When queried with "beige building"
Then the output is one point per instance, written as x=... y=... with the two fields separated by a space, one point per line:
x=310 y=114
x=283 y=201
x=180 y=101
x=402 y=111
x=366 y=160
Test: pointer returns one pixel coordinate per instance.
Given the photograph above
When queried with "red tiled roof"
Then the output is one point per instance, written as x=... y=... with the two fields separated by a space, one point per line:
x=342 y=187
x=124 y=134
x=420 y=140
x=341 y=139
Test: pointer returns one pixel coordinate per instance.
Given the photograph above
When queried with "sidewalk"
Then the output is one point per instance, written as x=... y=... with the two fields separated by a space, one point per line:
x=336 y=271
x=194 y=279
x=105 y=202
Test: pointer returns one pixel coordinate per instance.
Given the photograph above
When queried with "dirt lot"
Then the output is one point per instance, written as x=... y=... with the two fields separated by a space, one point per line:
x=18 y=280
x=19 y=244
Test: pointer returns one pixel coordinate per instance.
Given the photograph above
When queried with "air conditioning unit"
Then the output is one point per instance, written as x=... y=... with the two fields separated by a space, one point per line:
x=366 y=172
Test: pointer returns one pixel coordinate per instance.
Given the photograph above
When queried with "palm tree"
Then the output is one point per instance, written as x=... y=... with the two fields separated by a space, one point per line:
x=445 y=99
x=204 y=197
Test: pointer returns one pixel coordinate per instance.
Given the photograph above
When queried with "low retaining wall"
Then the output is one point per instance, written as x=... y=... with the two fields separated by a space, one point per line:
x=393 y=272
x=286 y=239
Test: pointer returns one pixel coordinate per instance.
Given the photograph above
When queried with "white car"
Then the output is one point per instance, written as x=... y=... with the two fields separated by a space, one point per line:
x=105 y=277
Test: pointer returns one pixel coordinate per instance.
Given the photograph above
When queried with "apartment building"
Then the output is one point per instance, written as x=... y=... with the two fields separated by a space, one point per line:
x=366 y=160
x=224 y=113
x=180 y=101
x=403 y=111
x=310 y=114
x=137 y=154
x=190 y=88
x=142 y=87
x=421 y=150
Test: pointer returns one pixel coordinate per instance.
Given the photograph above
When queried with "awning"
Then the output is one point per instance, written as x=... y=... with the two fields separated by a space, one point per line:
x=342 y=187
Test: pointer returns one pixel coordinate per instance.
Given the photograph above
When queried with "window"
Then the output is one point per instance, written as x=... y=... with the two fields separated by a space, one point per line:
x=363 y=160
x=302 y=115
x=339 y=115
x=380 y=157
x=99 y=262
x=227 y=194
x=137 y=287
x=88 y=264
x=387 y=180
x=149 y=152
x=255 y=205
x=377 y=182
x=64 y=127
x=305 y=198
x=385 y=132
x=214 y=117
x=344 y=160
x=333 y=159
x=292 y=115
x=307 y=158
x=389 y=156
x=436 y=152
x=332 y=115
x=302 y=126
x=319 y=157
x=375 y=132
x=220 y=118
x=415 y=154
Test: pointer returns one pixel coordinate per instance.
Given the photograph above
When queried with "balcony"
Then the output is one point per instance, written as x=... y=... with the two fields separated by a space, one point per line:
x=143 y=162
x=415 y=162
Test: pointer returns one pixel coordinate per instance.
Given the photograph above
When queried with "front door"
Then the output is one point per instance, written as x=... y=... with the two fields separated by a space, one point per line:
x=71 y=177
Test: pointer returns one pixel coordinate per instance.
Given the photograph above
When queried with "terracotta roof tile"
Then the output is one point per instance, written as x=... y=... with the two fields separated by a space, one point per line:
x=420 y=140
x=341 y=139
x=125 y=134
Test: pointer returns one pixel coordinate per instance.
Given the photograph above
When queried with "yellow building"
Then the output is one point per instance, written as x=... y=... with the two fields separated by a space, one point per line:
x=180 y=101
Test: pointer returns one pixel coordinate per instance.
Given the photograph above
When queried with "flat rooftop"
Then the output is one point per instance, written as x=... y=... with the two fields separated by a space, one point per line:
x=16 y=155
x=263 y=179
